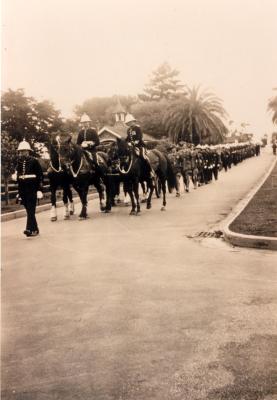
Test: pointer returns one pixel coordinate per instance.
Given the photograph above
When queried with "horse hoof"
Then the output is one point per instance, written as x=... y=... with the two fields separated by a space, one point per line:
x=71 y=212
x=66 y=217
x=177 y=194
x=138 y=212
x=53 y=219
x=163 y=208
x=187 y=190
x=144 y=200
x=107 y=211
x=81 y=217
x=133 y=212
x=148 y=206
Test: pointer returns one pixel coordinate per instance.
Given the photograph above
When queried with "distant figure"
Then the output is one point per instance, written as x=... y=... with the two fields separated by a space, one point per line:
x=88 y=137
x=274 y=146
x=29 y=176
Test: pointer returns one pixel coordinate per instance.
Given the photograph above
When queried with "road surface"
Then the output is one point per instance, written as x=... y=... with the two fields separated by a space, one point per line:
x=125 y=307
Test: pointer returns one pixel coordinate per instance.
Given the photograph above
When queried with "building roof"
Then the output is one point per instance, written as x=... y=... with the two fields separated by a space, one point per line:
x=119 y=130
x=118 y=108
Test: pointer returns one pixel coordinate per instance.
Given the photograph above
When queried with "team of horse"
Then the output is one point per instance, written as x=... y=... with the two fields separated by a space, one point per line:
x=72 y=166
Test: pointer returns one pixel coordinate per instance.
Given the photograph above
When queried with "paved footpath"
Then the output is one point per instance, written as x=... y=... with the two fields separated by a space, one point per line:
x=120 y=307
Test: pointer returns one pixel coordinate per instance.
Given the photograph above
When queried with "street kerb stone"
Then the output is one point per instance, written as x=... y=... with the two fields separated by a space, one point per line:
x=242 y=240
x=22 y=213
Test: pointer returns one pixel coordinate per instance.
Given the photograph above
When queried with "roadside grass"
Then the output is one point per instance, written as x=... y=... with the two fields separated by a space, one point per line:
x=260 y=216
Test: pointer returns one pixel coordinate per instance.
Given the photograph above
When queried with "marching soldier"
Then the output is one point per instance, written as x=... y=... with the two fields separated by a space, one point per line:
x=29 y=176
x=88 y=138
x=135 y=136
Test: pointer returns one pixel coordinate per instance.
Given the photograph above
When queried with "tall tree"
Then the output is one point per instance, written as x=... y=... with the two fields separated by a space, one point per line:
x=272 y=106
x=24 y=117
x=196 y=118
x=163 y=84
x=8 y=159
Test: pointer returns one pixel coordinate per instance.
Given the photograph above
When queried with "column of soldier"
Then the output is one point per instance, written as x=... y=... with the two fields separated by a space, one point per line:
x=200 y=163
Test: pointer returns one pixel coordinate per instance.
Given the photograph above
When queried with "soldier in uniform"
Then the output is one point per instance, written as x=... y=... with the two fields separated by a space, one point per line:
x=88 y=138
x=29 y=176
x=134 y=136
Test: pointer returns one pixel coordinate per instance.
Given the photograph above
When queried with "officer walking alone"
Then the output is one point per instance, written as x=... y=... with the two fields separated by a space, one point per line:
x=29 y=176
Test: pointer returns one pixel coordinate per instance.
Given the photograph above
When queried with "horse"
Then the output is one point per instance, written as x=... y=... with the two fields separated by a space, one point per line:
x=161 y=165
x=126 y=166
x=134 y=170
x=58 y=177
x=83 y=171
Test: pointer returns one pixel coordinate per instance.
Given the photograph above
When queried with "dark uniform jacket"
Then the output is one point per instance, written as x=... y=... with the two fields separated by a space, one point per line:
x=134 y=135
x=89 y=134
x=29 y=176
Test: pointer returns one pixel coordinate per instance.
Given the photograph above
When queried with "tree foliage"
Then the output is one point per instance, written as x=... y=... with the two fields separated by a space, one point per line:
x=100 y=109
x=163 y=84
x=272 y=106
x=8 y=154
x=196 y=118
x=150 y=115
x=24 y=117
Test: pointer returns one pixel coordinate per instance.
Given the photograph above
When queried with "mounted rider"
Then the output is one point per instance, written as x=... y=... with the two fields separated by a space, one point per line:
x=88 y=138
x=135 y=137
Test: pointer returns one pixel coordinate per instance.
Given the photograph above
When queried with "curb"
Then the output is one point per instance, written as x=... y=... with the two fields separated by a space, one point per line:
x=242 y=240
x=22 y=213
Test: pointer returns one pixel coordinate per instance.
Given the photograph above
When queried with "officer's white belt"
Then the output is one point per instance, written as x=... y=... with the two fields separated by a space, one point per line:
x=27 y=176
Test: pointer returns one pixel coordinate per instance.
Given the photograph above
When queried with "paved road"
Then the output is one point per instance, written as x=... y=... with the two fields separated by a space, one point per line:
x=120 y=307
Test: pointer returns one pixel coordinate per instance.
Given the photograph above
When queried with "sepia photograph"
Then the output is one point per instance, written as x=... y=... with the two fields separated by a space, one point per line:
x=139 y=200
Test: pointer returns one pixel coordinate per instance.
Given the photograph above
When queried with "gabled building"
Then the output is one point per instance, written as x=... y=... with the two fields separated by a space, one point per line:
x=119 y=130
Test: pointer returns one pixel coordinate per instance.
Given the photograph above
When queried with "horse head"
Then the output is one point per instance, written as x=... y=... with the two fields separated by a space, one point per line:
x=66 y=149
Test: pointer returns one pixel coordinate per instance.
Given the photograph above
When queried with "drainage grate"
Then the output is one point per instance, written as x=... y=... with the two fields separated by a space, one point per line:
x=212 y=234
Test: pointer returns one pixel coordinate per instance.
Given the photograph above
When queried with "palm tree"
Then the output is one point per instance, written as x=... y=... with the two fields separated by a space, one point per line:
x=272 y=106
x=196 y=118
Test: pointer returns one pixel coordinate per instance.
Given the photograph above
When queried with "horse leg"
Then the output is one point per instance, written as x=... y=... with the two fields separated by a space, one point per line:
x=128 y=188
x=136 y=192
x=65 y=202
x=164 y=194
x=126 y=200
x=144 y=192
x=82 y=192
x=53 y=211
x=177 y=187
x=151 y=190
x=70 y=198
x=99 y=188
x=109 y=191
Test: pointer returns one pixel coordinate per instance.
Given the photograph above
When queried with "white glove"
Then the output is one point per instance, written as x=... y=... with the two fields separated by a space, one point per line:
x=14 y=176
x=84 y=144
x=39 y=195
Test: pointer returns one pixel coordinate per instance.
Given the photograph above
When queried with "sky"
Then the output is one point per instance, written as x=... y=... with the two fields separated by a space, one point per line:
x=70 y=50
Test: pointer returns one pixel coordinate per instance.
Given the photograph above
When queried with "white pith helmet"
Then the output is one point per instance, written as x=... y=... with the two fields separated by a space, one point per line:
x=85 y=118
x=129 y=118
x=24 y=146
